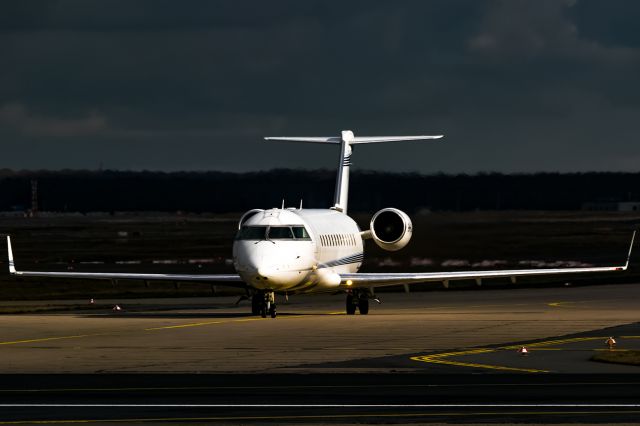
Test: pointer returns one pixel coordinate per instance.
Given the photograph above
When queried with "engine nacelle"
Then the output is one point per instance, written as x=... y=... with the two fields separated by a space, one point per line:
x=391 y=229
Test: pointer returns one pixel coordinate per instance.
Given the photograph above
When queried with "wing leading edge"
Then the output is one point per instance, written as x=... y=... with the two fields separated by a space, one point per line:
x=388 y=279
x=228 y=279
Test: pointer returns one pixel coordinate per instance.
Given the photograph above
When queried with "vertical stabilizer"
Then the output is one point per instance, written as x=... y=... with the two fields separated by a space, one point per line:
x=345 y=140
x=342 y=181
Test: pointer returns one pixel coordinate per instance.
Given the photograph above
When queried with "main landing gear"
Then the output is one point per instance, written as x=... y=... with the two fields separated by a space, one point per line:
x=263 y=304
x=359 y=299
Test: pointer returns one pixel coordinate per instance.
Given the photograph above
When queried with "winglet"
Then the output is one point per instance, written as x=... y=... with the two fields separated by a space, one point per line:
x=633 y=237
x=12 y=266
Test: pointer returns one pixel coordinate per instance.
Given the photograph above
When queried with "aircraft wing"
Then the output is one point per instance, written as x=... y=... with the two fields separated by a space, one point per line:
x=394 y=278
x=227 y=279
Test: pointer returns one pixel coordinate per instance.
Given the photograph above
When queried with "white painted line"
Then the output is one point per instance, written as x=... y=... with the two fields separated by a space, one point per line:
x=320 y=405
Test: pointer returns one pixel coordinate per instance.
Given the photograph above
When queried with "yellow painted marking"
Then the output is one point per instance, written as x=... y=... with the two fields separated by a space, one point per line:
x=47 y=339
x=322 y=416
x=560 y=304
x=200 y=324
x=566 y=341
x=556 y=342
x=563 y=304
x=167 y=327
x=437 y=358
x=440 y=359
x=195 y=324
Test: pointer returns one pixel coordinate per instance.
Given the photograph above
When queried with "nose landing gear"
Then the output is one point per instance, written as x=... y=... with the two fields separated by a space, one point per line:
x=263 y=304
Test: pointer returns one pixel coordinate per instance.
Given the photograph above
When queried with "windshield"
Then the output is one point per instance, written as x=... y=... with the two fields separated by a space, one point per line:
x=280 y=233
x=252 y=233
x=300 y=233
x=293 y=233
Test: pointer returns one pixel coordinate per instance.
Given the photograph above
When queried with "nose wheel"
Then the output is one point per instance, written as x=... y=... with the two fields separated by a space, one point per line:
x=264 y=304
x=357 y=300
x=256 y=301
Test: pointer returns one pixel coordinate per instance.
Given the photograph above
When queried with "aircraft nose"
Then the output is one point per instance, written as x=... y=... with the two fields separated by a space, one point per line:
x=265 y=271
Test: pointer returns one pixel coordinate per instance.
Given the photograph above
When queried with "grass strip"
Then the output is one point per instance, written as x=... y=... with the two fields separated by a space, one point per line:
x=626 y=357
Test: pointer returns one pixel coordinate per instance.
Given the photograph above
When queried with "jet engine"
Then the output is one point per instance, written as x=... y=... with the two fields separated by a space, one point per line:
x=391 y=229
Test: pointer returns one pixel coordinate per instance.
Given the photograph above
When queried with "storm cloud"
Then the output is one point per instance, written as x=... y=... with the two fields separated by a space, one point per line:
x=515 y=85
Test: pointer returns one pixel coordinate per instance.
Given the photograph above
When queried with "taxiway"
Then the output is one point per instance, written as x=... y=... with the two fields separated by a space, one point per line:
x=426 y=357
x=311 y=334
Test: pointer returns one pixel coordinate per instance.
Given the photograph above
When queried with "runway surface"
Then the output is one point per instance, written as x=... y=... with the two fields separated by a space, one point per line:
x=318 y=399
x=419 y=357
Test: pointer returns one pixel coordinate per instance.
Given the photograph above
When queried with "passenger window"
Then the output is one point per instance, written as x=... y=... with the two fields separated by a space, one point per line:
x=280 y=233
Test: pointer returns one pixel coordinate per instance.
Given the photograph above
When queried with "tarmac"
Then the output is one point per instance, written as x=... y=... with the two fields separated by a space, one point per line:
x=407 y=332
x=445 y=356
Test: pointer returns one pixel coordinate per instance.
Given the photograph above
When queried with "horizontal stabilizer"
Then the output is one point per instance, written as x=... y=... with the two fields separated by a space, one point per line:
x=353 y=139
x=345 y=140
x=376 y=139
x=329 y=139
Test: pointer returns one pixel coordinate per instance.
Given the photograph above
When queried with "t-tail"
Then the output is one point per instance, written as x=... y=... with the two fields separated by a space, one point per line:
x=346 y=140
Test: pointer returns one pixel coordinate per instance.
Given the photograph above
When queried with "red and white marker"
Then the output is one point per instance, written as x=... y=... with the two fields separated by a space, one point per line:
x=92 y=302
x=611 y=342
x=117 y=308
x=523 y=351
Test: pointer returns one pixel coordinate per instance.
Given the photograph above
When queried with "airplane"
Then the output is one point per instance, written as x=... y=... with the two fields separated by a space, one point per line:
x=296 y=250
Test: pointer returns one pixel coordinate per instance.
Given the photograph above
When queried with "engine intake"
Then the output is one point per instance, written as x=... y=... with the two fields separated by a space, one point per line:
x=391 y=229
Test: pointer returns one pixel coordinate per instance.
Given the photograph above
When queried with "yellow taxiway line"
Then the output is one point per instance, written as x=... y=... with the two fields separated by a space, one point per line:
x=166 y=327
x=47 y=339
x=440 y=359
x=444 y=358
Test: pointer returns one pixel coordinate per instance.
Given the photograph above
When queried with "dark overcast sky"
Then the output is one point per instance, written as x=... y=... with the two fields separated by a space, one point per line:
x=516 y=86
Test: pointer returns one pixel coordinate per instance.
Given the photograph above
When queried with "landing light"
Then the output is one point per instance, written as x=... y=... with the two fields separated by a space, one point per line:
x=349 y=282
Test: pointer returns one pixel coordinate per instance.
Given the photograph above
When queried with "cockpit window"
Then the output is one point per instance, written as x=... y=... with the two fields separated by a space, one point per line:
x=300 y=233
x=280 y=233
x=252 y=233
x=296 y=232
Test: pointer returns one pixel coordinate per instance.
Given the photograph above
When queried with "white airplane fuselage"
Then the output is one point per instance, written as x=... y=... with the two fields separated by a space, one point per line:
x=297 y=250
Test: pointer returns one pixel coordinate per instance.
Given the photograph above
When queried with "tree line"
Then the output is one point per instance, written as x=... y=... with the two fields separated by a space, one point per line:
x=219 y=192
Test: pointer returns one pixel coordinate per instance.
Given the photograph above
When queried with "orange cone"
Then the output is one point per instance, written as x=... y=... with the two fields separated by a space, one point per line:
x=117 y=308
x=611 y=342
x=523 y=351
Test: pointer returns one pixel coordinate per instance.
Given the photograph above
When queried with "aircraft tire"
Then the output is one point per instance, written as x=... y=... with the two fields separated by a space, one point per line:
x=363 y=305
x=256 y=299
x=263 y=310
x=351 y=306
